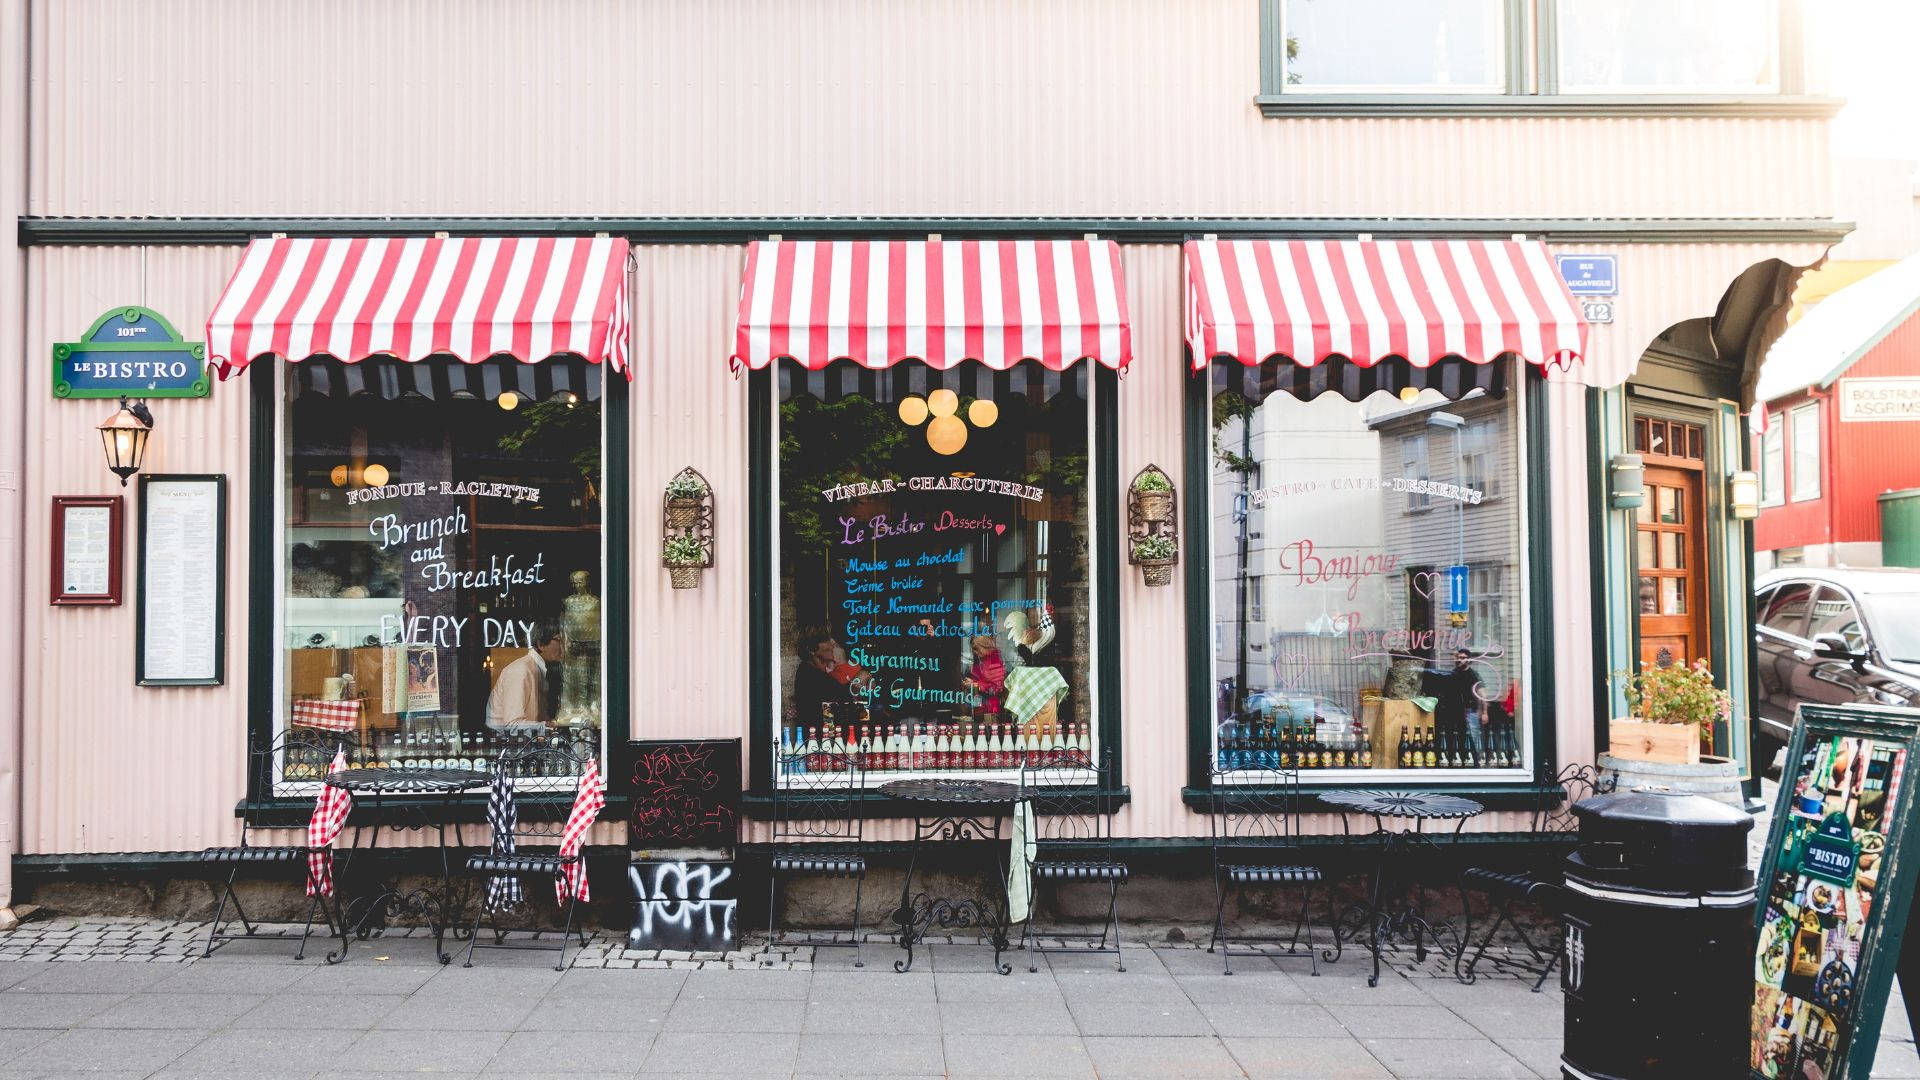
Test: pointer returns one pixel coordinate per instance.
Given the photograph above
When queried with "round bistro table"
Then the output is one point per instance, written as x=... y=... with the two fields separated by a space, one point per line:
x=1384 y=913
x=409 y=800
x=951 y=810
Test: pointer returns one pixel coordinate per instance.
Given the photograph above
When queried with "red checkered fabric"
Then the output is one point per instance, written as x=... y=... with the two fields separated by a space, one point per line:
x=326 y=715
x=329 y=817
x=586 y=807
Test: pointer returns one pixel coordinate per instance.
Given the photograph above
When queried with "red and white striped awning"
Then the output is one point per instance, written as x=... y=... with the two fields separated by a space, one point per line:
x=942 y=301
x=1367 y=300
x=468 y=297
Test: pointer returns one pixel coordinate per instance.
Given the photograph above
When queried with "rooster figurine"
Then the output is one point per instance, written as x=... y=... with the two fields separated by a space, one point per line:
x=1029 y=637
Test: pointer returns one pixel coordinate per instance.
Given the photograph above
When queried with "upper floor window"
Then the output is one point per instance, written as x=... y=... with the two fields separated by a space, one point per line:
x=1701 y=46
x=1386 y=45
x=1773 y=464
x=1806 y=452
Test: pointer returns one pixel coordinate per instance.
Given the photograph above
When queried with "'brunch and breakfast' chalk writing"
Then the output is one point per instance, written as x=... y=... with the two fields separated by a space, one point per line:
x=426 y=542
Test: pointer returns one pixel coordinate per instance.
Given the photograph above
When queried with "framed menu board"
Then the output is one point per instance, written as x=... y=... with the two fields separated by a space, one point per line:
x=1839 y=883
x=85 y=551
x=181 y=605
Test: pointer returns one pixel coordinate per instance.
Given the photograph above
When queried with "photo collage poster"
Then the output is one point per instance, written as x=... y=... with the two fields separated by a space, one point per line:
x=1819 y=902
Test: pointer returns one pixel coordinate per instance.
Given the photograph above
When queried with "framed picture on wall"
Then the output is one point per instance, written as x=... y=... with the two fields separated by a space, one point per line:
x=86 y=550
x=181 y=606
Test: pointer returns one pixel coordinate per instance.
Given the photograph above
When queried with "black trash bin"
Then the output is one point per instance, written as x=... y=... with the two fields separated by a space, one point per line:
x=1659 y=938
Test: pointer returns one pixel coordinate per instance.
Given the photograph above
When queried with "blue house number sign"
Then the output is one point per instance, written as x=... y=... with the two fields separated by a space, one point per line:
x=131 y=351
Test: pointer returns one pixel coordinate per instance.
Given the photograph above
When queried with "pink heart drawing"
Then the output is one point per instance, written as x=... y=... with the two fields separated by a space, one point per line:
x=1422 y=582
x=998 y=528
x=1291 y=670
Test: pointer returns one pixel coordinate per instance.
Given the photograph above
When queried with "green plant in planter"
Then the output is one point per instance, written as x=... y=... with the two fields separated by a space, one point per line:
x=684 y=551
x=1677 y=694
x=1153 y=548
x=1152 y=481
x=685 y=486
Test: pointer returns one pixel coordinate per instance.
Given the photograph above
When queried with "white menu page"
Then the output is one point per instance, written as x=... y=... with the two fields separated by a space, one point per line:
x=179 y=578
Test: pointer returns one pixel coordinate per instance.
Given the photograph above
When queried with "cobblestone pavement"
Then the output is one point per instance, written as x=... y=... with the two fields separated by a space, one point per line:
x=108 y=998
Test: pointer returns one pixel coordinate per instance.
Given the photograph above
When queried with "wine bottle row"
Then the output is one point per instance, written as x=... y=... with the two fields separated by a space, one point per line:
x=1423 y=749
x=453 y=750
x=1272 y=746
x=922 y=746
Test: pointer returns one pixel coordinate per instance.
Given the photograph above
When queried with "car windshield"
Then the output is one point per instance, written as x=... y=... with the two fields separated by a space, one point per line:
x=1895 y=616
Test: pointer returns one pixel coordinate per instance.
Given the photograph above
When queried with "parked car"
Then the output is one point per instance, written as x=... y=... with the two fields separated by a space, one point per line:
x=1832 y=636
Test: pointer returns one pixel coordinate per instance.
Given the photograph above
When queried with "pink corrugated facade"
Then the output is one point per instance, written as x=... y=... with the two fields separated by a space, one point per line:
x=686 y=109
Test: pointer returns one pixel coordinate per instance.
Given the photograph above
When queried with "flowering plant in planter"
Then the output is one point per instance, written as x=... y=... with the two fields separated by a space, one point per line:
x=1153 y=548
x=1676 y=694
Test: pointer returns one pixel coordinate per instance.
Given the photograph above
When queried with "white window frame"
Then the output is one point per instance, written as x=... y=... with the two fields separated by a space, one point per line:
x=1773 y=17
x=1096 y=732
x=1803 y=472
x=1772 y=459
x=297 y=789
x=1502 y=47
x=1523 y=669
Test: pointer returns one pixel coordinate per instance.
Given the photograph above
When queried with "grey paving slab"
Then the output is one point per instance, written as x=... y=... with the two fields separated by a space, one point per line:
x=96 y=978
x=217 y=977
x=1263 y=1019
x=980 y=987
x=568 y=1052
x=721 y=1014
x=11 y=973
x=867 y=1076
x=1540 y=1055
x=584 y=983
x=1896 y=1061
x=363 y=975
x=67 y=1074
x=1007 y=1017
x=1017 y=1057
x=1348 y=986
x=15 y=1042
x=745 y=1053
x=889 y=985
x=771 y=985
x=303 y=1010
x=1536 y=1021
x=600 y=1014
x=957 y=958
x=414 y=1051
x=173 y=1011
x=1408 y=1058
x=1272 y=987
x=1403 y=1021
x=867 y=1018
x=491 y=981
x=1148 y=1058
x=1078 y=959
x=895 y=1053
x=108 y=1049
x=462 y=1012
x=1306 y=1059
x=268 y=1052
x=1089 y=987
x=57 y=1011
x=1169 y=1016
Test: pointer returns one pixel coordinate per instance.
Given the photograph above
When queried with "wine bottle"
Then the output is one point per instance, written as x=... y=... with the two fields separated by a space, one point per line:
x=1405 y=758
x=1429 y=753
x=1366 y=750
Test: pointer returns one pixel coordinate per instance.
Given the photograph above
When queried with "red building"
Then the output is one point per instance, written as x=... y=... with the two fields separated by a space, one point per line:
x=1841 y=390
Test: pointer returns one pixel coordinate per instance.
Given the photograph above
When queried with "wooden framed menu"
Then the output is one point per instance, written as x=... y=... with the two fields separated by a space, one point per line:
x=180 y=638
x=1838 y=886
x=86 y=549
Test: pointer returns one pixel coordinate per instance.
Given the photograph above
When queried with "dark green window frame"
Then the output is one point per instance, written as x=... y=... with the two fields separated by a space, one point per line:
x=1197 y=427
x=1533 y=81
x=763 y=473
x=262 y=807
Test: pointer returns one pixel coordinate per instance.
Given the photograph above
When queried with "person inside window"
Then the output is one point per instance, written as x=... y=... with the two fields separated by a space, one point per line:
x=988 y=675
x=1460 y=706
x=519 y=701
x=823 y=678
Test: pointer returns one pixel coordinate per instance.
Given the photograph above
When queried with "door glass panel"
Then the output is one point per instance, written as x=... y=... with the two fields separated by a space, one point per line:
x=1669 y=505
x=1673 y=551
x=1673 y=595
x=1649 y=596
x=1646 y=550
x=1643 y=513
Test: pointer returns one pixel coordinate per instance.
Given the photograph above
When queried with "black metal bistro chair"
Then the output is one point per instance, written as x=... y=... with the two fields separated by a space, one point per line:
x=1073 y=842
x=301 y=756
x=818 y=831
x=1254 y=819
x=1553 y=833
x=546 y=780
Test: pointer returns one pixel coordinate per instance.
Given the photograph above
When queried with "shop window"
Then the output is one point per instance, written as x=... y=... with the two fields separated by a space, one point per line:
x=1773 y=464
x=934 y=580
x=1805 y=477
x=1702 y=46
x=1361 y=46
x=1391 y=625
x=443 y=557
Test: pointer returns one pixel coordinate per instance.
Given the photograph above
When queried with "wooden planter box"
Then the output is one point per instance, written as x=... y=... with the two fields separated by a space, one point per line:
x=1637 y=740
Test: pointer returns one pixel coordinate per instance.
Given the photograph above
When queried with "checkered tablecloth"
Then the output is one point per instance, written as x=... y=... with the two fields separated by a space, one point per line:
x=327 y=715
x=1031 y=689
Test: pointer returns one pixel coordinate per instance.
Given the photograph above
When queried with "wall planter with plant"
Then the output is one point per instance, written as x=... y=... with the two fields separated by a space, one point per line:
x=1152 y=525
x=686 y=528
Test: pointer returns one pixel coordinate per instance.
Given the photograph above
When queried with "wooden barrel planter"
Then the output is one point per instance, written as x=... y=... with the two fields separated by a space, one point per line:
x=1716 y=778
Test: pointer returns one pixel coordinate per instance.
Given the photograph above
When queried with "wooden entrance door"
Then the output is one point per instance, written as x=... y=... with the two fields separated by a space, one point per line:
x=1671 y=568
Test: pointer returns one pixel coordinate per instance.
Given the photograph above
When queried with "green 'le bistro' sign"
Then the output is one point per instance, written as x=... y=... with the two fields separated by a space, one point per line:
x=130 y=352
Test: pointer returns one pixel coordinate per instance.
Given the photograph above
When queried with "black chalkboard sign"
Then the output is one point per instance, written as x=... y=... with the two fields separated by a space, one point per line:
x=1839 y=885
x=686 y=793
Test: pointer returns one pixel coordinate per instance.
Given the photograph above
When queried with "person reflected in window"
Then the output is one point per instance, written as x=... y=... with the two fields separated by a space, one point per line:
x=519 y=699
x=823 y=678
x=1460 y=703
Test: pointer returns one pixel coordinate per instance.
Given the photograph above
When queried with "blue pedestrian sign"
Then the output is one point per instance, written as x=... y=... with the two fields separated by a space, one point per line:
x=1456 y=590
x=130 y=352
x=1590 y=275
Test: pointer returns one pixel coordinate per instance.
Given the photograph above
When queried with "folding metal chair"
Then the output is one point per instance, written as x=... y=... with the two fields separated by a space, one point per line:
x=298 y=755
x=1073 y=823
x=818 y=831
x=546 y=780
x=1254 y=822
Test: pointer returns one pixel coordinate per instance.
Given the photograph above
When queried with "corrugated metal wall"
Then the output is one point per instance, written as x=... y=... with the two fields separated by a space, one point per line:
x=830 y=107
x=1872 y=457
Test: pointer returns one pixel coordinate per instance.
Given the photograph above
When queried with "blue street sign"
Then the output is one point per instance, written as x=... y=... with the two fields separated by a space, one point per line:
x=1456 y=589
x=131 y=352
x=1590 y=275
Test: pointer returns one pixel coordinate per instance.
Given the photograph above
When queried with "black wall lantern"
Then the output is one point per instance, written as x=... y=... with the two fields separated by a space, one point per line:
x=124 y=436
